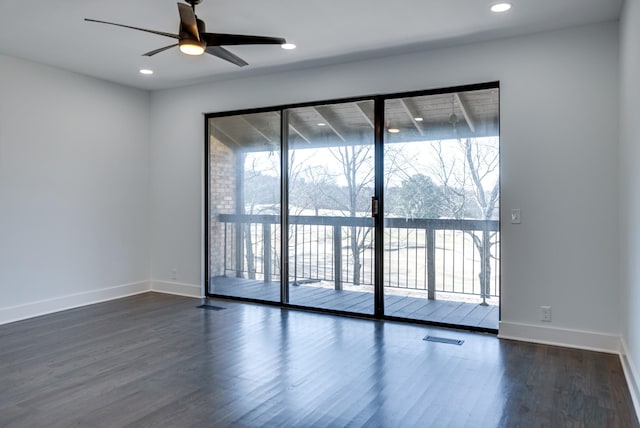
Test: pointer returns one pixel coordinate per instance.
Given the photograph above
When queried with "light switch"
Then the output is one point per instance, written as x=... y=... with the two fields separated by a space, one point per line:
x=515 y=216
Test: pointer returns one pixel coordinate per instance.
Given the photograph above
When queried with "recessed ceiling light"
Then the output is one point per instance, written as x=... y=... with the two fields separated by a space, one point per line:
x=288 y=46
x=500 y=7
x=146 y=71
x=322 y=124
x=393 y=130
x=418 y=119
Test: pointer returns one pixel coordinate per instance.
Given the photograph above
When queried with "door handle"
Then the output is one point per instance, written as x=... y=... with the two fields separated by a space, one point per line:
x=374 y=206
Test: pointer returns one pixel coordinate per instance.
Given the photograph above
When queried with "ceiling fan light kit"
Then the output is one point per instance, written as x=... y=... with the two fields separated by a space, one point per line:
x=192 y=47
x=194 y=40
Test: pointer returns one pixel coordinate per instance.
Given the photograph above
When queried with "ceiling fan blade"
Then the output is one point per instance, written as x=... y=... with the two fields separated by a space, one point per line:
x=219 y=39
x=226 y=55
x=188 y=21
x=156 y=51
x=160 y=33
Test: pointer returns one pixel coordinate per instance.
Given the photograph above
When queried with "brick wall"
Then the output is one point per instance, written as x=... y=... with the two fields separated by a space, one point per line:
x=222 y=193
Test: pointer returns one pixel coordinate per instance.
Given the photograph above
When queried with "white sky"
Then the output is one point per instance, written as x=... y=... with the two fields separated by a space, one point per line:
x=417 y=157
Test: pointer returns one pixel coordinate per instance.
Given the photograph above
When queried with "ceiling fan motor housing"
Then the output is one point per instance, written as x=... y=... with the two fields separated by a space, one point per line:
x=201 y=27
x=187 y=42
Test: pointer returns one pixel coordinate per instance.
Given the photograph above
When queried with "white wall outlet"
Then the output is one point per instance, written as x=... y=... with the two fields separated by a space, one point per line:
x=545 y=313
x=174 y=274
x=515 y=216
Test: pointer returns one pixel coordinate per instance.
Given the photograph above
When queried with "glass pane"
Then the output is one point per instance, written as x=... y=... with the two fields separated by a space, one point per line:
x=244 y=206
x=331 y=181
x=441 y=167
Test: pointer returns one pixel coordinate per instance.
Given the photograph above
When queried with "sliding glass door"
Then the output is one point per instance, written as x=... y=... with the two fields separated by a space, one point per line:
x=330 y=184
x=244 y=206
x=441 y=234
x=384 y=206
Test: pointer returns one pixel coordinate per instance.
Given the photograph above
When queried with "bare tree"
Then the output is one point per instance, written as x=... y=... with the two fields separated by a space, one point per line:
x=356 y=162
x=314 y=186
x=470 y=185
x=483 y=163
x=261 y=178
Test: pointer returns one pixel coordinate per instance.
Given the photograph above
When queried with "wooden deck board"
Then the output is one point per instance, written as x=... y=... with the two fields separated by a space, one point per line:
x=308 y=295
x=455 y=317
x=489 y=320
x=407 y=311
x=478 y=314
x=394 y=304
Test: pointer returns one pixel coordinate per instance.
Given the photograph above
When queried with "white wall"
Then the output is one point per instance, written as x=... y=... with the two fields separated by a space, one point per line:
x=630 y=188
x=559 y=124
x=74 y=181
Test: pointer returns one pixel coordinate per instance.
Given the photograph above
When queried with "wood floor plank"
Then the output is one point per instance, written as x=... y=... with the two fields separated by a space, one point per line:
x=157 y=360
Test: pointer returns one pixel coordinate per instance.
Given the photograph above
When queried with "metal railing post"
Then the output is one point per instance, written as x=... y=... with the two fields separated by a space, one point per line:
x=239 y=249
x=484 y=285
x=295 y=255
x=266 y=251
x=239 y=199
x=431 y=264
x=337 y=256
x=224 y=256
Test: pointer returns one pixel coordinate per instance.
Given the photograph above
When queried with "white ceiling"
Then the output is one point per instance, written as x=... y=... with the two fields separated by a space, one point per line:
x=54 y=32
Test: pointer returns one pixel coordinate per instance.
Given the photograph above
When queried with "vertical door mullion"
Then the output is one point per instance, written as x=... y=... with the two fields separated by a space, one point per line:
x=207 y=201
x=284 y=207
x=379 y=217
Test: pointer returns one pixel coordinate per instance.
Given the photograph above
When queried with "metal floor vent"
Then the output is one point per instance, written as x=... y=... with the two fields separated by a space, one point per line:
x=211 y=307
x=443 y=340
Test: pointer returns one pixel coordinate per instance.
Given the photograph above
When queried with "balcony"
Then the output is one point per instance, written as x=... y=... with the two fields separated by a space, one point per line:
x=437 y=270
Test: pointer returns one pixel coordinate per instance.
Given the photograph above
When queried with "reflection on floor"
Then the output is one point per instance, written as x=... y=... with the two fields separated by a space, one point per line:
x=443 y=311
x=156 y=360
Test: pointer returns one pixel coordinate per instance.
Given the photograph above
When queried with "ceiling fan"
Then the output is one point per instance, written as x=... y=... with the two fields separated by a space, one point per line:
x=194 y=40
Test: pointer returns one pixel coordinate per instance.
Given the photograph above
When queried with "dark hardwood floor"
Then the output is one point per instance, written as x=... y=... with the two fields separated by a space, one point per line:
x=157 y=360
x=459 y=313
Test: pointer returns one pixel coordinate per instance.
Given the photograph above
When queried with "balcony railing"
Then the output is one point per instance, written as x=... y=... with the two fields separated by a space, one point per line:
x=430 y=255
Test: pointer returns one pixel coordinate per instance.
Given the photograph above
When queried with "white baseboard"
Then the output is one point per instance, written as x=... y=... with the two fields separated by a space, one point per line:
x=177 y=288
x=630 y=374
x=592 y=341
x=70 y=301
